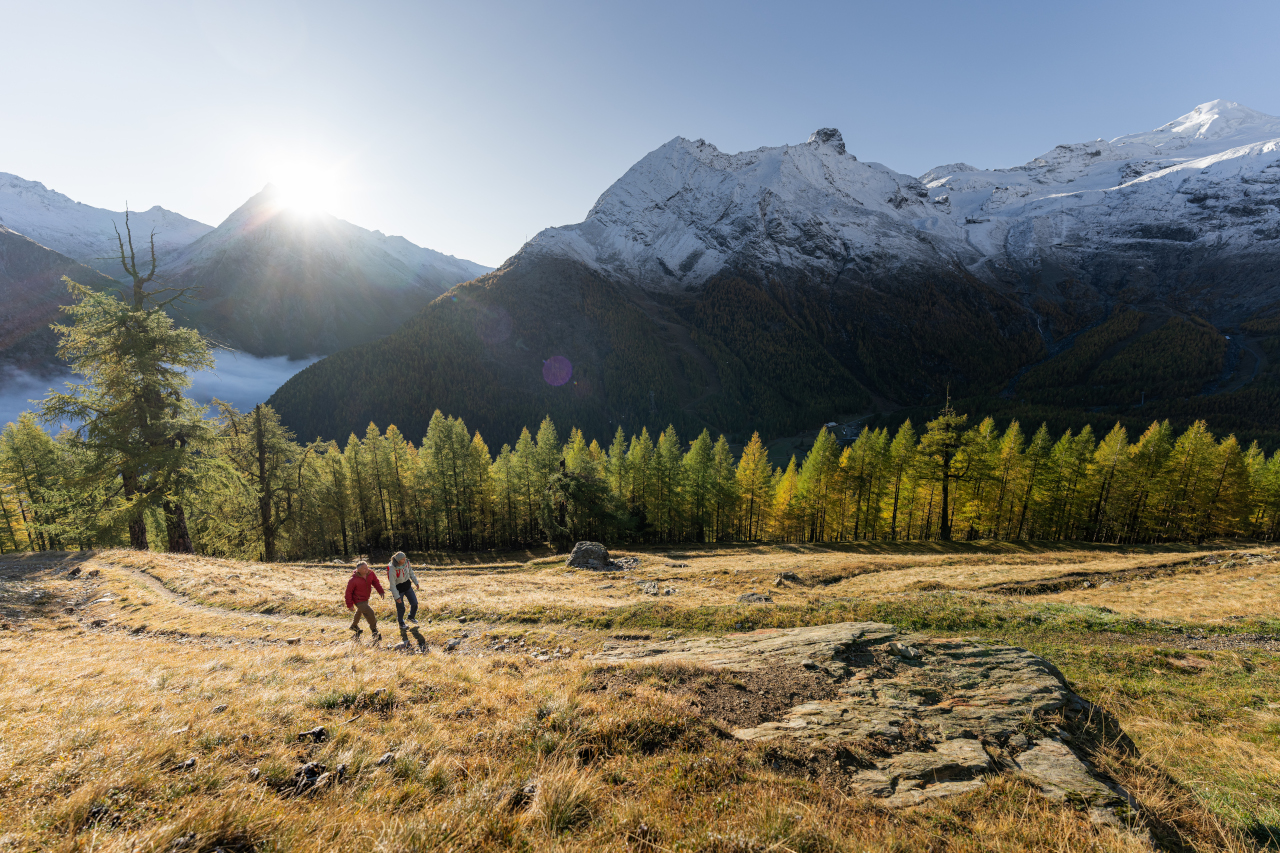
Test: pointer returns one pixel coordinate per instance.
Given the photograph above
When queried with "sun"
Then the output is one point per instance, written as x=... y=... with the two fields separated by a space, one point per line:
x=307 y=185
x=307 y=196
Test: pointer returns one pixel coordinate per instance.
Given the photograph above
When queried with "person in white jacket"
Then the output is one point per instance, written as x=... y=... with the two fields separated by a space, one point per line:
x=402 y=580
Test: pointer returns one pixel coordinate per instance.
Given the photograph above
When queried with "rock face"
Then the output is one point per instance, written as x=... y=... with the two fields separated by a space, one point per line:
x=945 y=714
x=589 y=555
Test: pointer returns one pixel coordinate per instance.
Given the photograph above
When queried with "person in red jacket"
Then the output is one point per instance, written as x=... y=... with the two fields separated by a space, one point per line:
x=359 y=588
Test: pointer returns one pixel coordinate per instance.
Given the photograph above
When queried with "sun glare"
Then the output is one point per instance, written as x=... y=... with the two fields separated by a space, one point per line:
x=305 y=185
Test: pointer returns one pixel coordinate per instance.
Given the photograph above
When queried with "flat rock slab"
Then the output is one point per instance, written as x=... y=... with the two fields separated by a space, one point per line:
x=945 y=714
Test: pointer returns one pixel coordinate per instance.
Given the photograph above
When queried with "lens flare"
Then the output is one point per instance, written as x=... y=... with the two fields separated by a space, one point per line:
x=557 y=370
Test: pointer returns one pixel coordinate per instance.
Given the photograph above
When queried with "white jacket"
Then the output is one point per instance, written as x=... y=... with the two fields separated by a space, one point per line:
x=399 y=574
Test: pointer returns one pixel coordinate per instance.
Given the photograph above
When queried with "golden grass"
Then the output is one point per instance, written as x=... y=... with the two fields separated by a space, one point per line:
x=701 y=576
x=1208 y=595
x=493 y=751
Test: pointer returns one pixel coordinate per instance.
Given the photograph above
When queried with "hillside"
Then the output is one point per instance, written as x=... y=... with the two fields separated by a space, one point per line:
x=738 y=356
x=780 y=288
x=272 y=280
x=31 y=292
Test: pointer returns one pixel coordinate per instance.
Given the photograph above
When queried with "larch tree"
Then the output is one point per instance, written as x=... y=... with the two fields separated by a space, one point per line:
x=755 y=493
x=943 y=441
x=135 y=422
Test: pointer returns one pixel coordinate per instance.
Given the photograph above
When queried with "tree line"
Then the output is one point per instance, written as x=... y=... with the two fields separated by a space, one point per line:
x=146 y=467
x=248 y=489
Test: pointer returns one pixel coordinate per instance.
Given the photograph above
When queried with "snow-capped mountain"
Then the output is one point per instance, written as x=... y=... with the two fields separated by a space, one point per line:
x=83 y=232
x=277 y=281
x=687 y=210
x=1206 y=185
x=1194 y=191
x=770 y=288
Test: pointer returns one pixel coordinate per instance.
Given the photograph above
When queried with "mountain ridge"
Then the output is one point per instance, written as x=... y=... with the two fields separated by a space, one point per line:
x=267 y=280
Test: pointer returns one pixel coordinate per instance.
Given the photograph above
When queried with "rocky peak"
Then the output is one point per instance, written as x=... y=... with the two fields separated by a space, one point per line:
x=828 y=136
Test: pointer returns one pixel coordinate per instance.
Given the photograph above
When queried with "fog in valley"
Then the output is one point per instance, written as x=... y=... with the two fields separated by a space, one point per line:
x=240 y=379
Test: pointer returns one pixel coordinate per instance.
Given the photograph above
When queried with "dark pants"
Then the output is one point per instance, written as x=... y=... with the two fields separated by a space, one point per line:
x=363 y=609
x=406 y=591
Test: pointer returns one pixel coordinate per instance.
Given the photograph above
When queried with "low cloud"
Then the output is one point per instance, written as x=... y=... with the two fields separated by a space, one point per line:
x=241 y=380
x=244 y=381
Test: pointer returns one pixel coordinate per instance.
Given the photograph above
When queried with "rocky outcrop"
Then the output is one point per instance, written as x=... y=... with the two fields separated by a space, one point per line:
x=930 y=717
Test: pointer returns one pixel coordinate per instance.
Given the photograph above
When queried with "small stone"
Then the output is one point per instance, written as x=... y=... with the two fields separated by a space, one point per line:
x=387 y=758
x=754 y=598
x=218 y=709
x=74 y=573
x=189 y=764
x=904 y=651
x=254 y=774
x=317 y=735
x=651 y=588
x=93 y=573
x=293 y=641
x=453 y=644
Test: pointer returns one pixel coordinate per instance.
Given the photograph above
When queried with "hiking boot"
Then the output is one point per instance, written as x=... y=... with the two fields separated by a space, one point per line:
x=376 y=637
x=356 y=632
x=413 y=620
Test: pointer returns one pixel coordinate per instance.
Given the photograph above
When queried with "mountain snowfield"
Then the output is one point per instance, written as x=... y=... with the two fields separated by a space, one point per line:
x=85 y=233
x=1208 y=181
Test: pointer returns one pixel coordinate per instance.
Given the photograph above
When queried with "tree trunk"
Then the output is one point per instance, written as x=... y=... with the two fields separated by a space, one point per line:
x=264 y=484
x=137 y=524
x=175 y=519
x=944 y=522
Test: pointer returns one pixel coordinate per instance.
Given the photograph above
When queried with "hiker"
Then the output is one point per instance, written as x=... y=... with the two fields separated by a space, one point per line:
x=402 y=580
x=359 y=588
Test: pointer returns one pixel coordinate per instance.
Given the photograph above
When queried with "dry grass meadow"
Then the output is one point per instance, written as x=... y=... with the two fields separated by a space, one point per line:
x=155 y=703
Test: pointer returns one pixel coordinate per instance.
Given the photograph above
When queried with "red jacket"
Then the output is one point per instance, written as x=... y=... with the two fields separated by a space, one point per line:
x=360 y=588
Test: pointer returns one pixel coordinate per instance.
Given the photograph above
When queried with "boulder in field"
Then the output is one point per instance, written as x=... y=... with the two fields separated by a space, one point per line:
x=589 y=555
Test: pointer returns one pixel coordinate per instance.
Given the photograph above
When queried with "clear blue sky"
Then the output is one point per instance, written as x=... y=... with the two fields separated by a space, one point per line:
x=469 y=126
